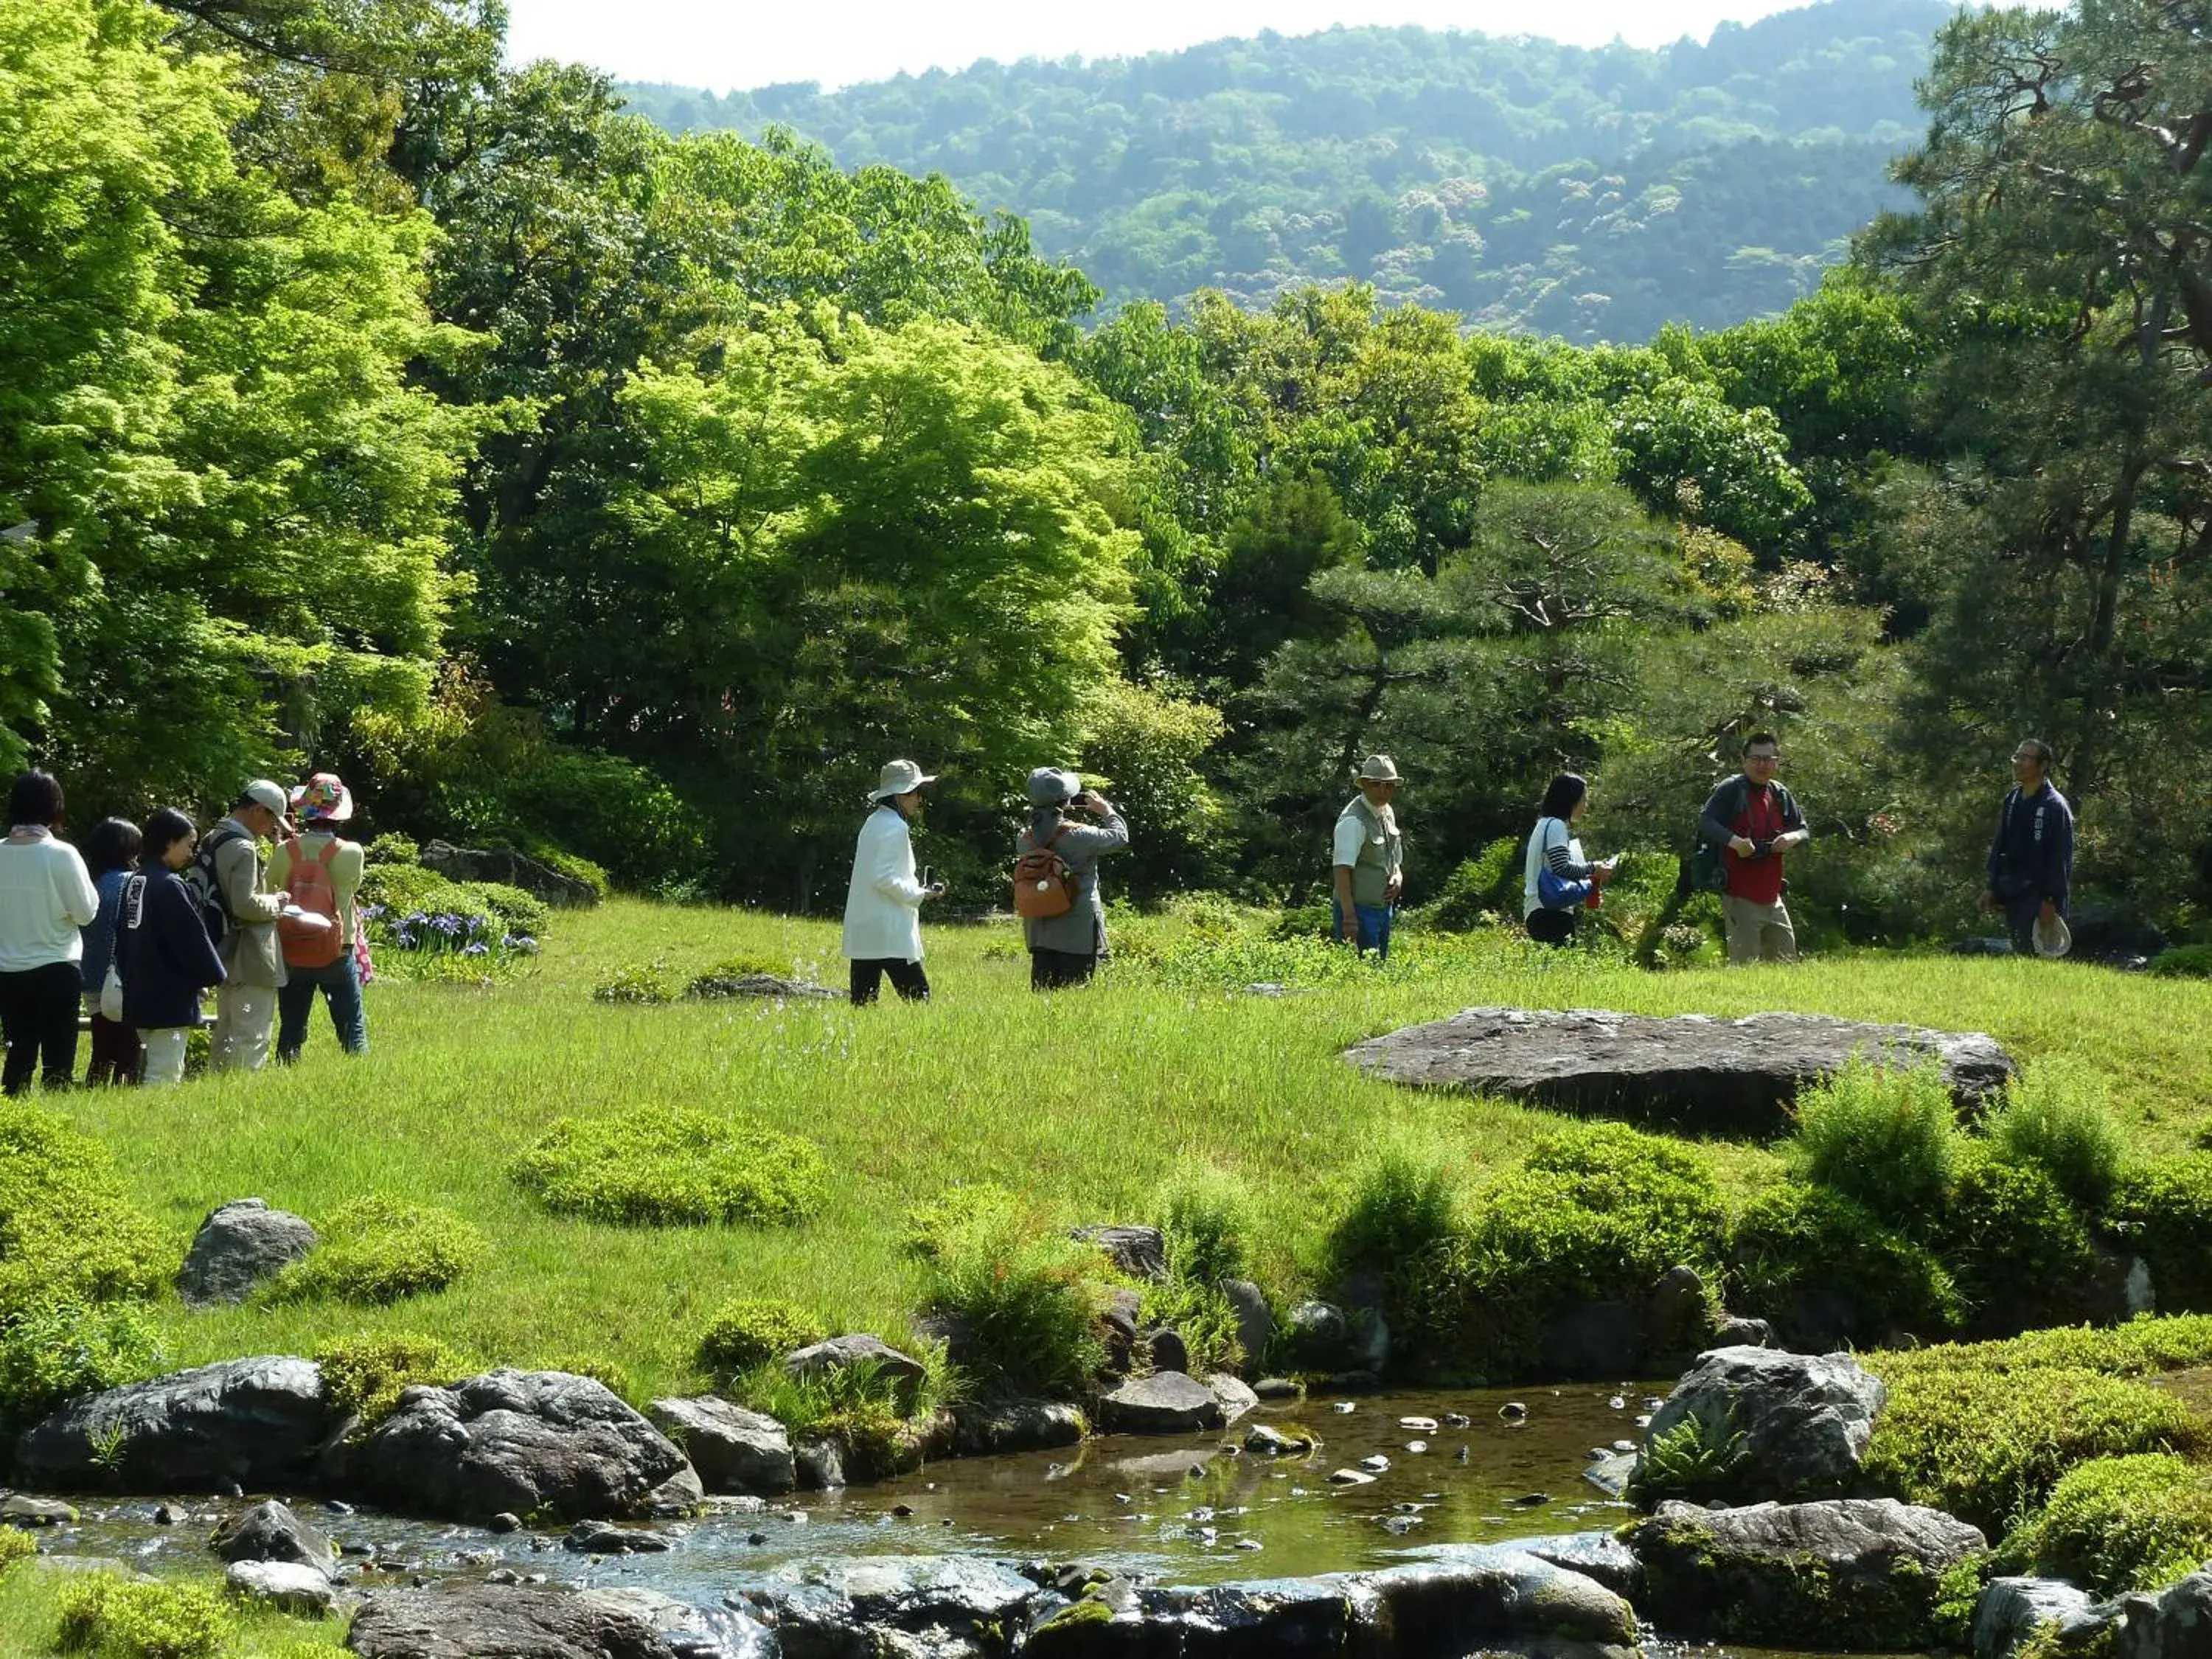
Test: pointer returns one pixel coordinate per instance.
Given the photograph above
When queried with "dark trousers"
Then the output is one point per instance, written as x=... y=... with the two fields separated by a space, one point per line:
x=38 y=1016
x=115 y=1053
x=2020 y=916
x=1054 y=970
x=340 y=984
x=1552 y=927
x=907 y=979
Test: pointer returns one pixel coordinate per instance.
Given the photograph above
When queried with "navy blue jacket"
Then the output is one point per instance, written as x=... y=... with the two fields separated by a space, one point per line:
x=162 y=952
x=2031 y=855
x=100 y=938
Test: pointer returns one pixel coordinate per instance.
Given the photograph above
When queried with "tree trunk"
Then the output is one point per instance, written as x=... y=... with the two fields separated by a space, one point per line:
x=2102 y=693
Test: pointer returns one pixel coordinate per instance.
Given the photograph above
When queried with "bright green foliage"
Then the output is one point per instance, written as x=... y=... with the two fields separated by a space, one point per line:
x=105 y=1616
x=366 y=1373
x=1022 y=1296
x=241 y=499
x=16 y=1546
x=2163 y=1209
x=1144 y=748
x=1487 y=885
x=66 y=1229
x=2183 y=961
x=752 y=1331
x=668 y=1167
x=1596 y=1213
x=1205 y=1215
x=2015 y=1246
x=2120 y=1524
x=1812 y=1260
x=377 y=1250
x=2057 y=1115
x=55 y=1349
x=1885 y=1136
x=1403 y=1204
x=517 y=911
x=1692 y=1461
x=1989 y=1445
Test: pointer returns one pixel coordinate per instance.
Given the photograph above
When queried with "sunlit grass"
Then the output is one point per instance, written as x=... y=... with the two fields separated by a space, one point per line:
x=1086 y=1102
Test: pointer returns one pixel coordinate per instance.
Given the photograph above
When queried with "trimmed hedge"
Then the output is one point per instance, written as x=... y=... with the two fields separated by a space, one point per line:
x=2120 y=1524
x=2163 y=1209
x=365 y=1374
x=2016 y=1247
x=1822 y=1269
x=1595 y=1213
x=67 y=1232
x=752 y=1332
x=659 y=1168
x=376 y=1249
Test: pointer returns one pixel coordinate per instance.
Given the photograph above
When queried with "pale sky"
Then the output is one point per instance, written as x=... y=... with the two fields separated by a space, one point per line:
x=724 y=44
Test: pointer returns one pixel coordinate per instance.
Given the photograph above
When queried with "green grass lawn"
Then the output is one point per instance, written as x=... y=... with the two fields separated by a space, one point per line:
x=1086 y=1102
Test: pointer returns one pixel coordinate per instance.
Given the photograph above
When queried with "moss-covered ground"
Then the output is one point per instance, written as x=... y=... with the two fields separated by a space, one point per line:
x=1086 y=1103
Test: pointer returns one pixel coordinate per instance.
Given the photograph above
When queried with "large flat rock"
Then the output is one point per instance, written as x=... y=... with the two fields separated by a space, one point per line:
x=1697 y=1072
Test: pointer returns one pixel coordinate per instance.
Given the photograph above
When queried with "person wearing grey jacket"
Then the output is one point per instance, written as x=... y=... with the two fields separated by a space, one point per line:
x=253 y=962
x=1064 y=950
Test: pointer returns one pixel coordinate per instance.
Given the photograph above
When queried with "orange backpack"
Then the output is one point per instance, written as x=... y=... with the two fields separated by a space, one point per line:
x=1043 y=885
x=308 y=885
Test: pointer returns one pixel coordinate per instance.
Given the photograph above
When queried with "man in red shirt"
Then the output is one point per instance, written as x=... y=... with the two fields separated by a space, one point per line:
x=1755 y=819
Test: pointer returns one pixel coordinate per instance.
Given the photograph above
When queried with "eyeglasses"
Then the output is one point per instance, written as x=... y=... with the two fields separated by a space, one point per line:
x=1762 y=760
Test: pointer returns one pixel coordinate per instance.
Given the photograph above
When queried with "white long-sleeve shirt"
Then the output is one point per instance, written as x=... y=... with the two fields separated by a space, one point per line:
x=882 y=907
x=45 y=897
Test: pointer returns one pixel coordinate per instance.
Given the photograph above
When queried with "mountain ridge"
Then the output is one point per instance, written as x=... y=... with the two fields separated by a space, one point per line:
x=1588 y=192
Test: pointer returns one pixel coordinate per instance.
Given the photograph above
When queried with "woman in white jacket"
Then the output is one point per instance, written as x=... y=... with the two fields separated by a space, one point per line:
x=882 y=907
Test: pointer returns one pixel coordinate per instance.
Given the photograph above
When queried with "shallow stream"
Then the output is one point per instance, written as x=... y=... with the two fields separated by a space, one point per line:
x=1183 y=1510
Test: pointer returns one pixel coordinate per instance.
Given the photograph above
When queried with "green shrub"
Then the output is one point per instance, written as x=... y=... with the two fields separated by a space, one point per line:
x=67 y=1232
x=1205 y=1218
x=53 y=1351
x=376 y=1249
x=2057 y=1115
x=366 y=1373
x=15 y=1544
x=2017 y=1249
x=2183 y=961
x=1989 y=1445
x=1023 y=1296
x=2139 y=1347
x=753 y=1331
x=2162 y=1209
x=1305 y=921
x=744 y=965
x=514 y=909
x=617 y=813
x=1400 y=1209
x=391 y=848
x=1886 y=1138
x=109 y=1617
x=404 y=889
x=640 y=982
x=1483 y=888
x=1595 y=1213
x=661 y=1167
x=1820 y=1267
x=2120 y=1524
x=574 y=866
x=931 y=1226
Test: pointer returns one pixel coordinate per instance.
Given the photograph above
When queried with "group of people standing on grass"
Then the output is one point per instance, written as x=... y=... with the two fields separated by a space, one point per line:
x=1748 y=827
x=132 y=932
x=1070 y=828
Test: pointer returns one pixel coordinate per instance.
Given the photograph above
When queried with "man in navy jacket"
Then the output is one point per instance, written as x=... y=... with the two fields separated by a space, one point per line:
x=2030 y=862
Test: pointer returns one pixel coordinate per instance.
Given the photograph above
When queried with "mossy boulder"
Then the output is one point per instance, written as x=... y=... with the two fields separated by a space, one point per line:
x=1863 y=1575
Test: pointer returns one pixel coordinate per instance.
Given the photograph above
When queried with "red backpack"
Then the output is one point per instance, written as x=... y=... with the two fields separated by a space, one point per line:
x=308 y=885
x=1043 y=885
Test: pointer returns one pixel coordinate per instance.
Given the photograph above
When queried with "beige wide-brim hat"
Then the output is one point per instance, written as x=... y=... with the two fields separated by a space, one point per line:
x=1378 y=769
x=900 y=777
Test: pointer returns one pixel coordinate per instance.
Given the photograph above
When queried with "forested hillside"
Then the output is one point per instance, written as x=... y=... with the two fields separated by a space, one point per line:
x=1590 y=194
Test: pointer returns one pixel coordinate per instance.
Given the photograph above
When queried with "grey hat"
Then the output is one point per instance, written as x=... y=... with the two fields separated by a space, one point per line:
x=1378 y=769
x=1049 y=786
x=900 y=777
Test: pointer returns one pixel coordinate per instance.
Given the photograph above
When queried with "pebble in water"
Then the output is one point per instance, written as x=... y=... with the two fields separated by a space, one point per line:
x=1344 y=1408
x=1513 y=1411
x=1375 y=1464
x=1400 y=1523
x=1619 y=1402
x=1463 y=1454
x=1248 y=1544
x=1416 y=1446
x=1351 y=1477
x=1644 y=1420
x=1418 y=1424
x=1457 y=1420
x=1623 y=1445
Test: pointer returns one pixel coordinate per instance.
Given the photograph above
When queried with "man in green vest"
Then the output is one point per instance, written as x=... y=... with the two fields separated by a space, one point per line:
x=1369 y=860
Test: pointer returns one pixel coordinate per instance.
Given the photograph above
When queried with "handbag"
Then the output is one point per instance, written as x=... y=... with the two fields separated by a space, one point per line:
x=1557 y=893
x=111 y=996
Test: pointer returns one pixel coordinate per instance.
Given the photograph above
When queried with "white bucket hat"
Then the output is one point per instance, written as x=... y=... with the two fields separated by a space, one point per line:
x=900 y=777
x=1049 y=786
